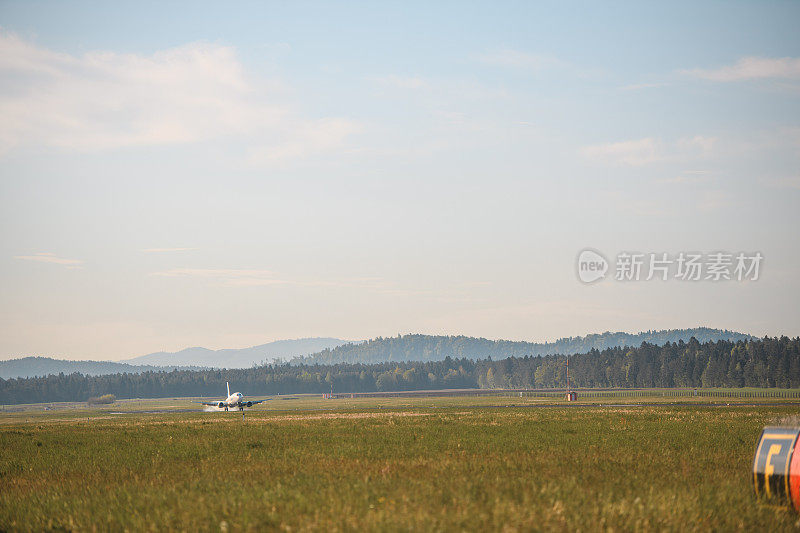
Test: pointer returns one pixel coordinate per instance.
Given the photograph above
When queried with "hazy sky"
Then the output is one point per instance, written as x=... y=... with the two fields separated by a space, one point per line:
x=227 y=174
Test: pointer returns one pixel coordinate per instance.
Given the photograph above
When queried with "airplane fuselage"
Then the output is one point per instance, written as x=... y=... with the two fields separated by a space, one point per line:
x=233 y=401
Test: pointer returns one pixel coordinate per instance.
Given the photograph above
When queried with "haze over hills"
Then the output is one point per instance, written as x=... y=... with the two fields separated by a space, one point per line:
x=44 y=366
x=188 y=359
x=437 y=347
x=767 y=362
x=334 y=351
x=239 y=357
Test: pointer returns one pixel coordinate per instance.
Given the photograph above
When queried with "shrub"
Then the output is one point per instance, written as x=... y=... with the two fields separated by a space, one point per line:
x=99 y=400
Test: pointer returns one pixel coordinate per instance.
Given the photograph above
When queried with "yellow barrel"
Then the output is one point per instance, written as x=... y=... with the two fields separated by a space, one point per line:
x=776 y=467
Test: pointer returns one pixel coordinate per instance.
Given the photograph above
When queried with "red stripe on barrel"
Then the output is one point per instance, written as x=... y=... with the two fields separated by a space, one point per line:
x=794 y=476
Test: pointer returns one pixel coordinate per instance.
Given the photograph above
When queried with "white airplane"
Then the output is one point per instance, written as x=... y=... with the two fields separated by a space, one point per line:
x=233 y=400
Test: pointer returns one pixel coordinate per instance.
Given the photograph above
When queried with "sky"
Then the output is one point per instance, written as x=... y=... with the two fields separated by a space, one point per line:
x=178 y=174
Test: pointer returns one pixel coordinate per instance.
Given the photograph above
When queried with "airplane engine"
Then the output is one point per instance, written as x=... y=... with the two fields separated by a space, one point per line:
x=249 y=404
x=221 y=405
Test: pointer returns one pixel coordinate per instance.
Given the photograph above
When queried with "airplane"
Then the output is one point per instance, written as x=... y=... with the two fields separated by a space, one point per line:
x=233 y=400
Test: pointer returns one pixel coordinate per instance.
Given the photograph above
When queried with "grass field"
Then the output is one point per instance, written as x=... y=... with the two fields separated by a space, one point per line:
x=386 y=464
x=498 y=398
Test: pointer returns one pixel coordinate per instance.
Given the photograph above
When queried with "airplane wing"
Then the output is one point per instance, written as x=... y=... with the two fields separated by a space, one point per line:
x=252 y=402
x=258 y=401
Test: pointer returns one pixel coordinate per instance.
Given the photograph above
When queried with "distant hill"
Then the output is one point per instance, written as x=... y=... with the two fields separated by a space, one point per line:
x=44 y=366
x=241 y=357
x=767 y=362
x=334 y=351
x=436 y=348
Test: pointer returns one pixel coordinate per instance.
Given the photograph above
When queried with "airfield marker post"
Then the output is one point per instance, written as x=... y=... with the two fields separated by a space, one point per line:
x=776 y=467
x=571 y=396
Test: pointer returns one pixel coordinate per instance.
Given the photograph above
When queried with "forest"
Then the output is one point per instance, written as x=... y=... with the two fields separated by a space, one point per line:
x=767 y=362
x=418 y=347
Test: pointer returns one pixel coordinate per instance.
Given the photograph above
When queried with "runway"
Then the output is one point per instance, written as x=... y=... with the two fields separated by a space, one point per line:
x=717 y=405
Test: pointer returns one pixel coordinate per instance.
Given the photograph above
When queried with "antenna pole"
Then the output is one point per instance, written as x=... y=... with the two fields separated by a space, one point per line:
x=568 y=387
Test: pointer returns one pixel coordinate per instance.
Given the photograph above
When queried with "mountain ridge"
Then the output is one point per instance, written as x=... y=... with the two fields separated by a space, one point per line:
x=417 y=347
x=329 y=350
x=192 y=358
x=33 y=366
x=285 y=349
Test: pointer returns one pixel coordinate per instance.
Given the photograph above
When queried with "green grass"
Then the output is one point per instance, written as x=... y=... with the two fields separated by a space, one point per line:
x=402 y=467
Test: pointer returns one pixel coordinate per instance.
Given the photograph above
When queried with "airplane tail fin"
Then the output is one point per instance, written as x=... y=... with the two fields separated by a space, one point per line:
x=229 y=388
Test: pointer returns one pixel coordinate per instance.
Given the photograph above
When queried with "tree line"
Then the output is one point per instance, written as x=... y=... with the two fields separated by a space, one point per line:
x=417 y=347
x=767 y=362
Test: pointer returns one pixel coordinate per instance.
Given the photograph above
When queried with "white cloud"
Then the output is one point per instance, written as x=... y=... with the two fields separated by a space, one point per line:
x=634 y=153
x=49 y=257
x=678 y=180
x=402 y=82
x=520 y=60
x=686 y=177
x=227 y=276
x=640 y=152
x=697 y=145
x=752 y=68
x=103 y=100
x=267 y=278
x=233 y=277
